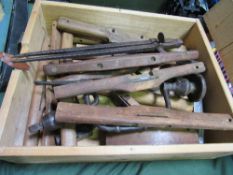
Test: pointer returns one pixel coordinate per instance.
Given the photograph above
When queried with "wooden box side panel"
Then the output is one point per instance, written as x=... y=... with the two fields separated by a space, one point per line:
x=113 y=153
x=140 y=23
x=218 y=98
x=15 y=107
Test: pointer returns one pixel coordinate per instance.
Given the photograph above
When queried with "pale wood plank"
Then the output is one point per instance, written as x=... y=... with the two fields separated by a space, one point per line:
x=113 y=153
x=15 y=107
x=218 y=97
x=139 y=23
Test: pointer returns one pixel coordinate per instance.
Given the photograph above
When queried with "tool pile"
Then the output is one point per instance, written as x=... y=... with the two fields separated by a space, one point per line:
x=106 y=84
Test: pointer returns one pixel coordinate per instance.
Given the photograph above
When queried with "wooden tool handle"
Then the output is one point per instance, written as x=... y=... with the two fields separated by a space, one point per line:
x=178 y=71
x=128 y=83
x=82 y=29
x=119 y=62
x=68 y=133
x=145 y=116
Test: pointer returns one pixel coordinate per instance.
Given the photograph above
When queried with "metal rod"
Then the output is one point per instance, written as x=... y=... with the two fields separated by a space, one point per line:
x=87 y=48
x=109 y=50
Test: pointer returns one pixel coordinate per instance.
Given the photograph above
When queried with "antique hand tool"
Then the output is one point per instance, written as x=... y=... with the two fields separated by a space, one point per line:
x=83 y=77
x=152 y=117
x=95 y=50
x=93 y=32
x=137 y=116
x=48 y=138
x=119 y=62
x=136 y=135
x=36 y=110
x=193 y=86
x=72 y=79
x=128 y=82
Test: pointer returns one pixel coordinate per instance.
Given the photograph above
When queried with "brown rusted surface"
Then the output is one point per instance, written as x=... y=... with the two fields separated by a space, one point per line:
x=120 y=62
x=47 y=136
x=7 y=59
x=156 y=117
x=129 y=83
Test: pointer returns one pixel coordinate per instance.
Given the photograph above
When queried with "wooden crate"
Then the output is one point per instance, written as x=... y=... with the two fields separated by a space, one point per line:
x=15 y=108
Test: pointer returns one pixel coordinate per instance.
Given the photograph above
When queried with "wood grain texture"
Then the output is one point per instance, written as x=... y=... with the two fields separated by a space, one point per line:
x=157 y=137
x=119 y=62
x=16 y=104
x=36 y=111
x=156 y=117
x=114 y=153
x=153 y=137
x=218 y=98
x=47 y=138
x=68 y=133
x=128 y=83
x=94 y=32
x=139 y=23
x=55 y=41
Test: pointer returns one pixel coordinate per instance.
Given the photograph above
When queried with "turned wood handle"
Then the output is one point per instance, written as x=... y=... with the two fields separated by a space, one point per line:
x=82 y=29
x=119 y=62
x=128 y=83
x=156 y=117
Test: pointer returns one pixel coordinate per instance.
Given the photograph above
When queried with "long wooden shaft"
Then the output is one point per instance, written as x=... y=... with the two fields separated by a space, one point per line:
x=68 y=133
x=155 y=117
x=82 y=29
x=95 y=32
x=48 y=138
x=119 y=62
x=129 y=83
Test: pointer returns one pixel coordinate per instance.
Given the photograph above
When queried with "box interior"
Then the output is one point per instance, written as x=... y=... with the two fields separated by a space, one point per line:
x=15 y=108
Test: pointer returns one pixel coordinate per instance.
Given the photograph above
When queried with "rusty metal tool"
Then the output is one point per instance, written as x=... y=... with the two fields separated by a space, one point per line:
x=97 y=50
x=193 y=86
x=47 y=124
x=119 y=62
x=8 y=59
x=48 y=138
x=128 y=83
x=152 y=117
